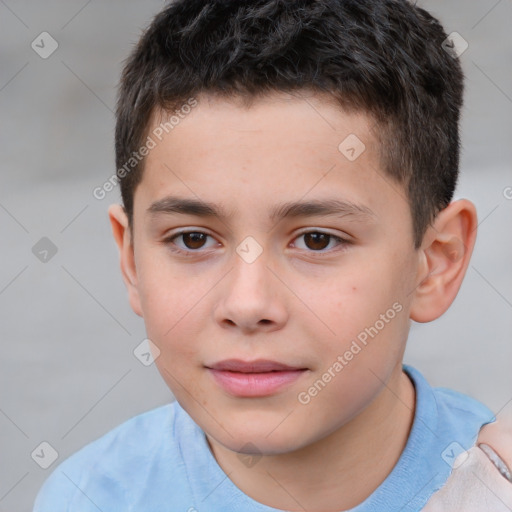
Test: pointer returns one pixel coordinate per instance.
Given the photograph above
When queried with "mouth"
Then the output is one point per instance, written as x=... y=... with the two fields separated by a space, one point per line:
x=254 y=378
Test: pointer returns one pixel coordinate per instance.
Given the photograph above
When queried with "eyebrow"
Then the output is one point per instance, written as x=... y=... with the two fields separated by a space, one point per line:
x=325 y=207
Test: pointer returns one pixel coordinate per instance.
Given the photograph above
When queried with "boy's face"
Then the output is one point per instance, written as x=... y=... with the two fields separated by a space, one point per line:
x=334 y=313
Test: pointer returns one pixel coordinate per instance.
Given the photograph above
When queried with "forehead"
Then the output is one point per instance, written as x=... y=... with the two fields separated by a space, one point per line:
x=282 y=145
x=293 y=116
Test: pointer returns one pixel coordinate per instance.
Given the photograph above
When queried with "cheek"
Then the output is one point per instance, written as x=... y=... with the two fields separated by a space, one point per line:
x=350 y=302
x=367 y=306
x=170 y=302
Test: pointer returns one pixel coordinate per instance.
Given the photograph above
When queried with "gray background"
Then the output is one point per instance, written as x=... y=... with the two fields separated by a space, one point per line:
x=67 y=369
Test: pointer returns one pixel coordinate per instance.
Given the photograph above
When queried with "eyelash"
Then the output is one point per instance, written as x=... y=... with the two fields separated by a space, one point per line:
x=169 y=241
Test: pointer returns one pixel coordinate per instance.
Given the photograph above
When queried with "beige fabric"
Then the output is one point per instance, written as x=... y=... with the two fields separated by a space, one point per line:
x=476 y=485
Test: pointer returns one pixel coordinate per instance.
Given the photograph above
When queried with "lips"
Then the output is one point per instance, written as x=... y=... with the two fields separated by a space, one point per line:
x=254 y=378
x=259 y=366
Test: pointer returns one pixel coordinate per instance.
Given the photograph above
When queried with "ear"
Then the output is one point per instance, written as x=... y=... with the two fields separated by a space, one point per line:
x=444 y=259
x=123 y=238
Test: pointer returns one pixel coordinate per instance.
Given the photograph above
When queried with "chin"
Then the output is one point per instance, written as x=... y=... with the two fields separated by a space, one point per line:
x=261 y=437
x=260 y=445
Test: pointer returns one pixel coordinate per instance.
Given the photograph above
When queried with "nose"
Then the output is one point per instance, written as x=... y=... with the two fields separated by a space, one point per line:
x=252 y=298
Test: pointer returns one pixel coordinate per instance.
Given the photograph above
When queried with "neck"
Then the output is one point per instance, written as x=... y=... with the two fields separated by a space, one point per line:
x=341 y=470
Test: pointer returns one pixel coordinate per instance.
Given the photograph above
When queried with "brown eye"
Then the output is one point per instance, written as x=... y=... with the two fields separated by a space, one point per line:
x=317 y=241
x=194 y=239
x=189 y=242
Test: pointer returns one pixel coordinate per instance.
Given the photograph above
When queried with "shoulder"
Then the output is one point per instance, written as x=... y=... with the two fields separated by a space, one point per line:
x=110 y=463
x=450 y=412
x=455 y=404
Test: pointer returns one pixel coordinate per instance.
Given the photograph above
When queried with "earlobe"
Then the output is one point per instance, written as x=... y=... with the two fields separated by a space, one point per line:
x=444 y=259
x=123 y=238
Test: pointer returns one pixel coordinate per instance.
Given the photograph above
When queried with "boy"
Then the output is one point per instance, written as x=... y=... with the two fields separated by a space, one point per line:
x=286 y=170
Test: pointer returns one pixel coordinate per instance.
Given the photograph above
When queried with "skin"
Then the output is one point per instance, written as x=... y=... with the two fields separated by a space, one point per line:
x=298 y=303
x=498 y=435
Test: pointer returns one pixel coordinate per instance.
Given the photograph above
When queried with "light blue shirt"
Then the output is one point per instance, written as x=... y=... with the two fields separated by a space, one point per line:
x=160 y=461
